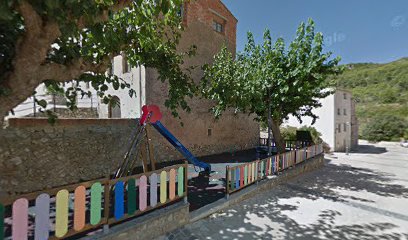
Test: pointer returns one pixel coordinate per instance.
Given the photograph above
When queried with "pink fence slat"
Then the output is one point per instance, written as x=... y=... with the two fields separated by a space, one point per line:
x=142 y=193
x=153 y=189
x=42 y=217
x=20 y=219
x=79 y=208
x=172 y=184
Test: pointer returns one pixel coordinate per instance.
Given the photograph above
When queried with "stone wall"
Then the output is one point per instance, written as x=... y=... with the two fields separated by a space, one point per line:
x=35 y=155
x=149 y=226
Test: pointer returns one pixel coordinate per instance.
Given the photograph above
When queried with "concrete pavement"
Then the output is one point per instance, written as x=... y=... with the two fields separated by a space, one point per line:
x=360 y=196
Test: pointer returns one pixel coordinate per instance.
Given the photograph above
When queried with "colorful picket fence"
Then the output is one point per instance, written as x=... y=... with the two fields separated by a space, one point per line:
x=243 y=175
x=70 y=210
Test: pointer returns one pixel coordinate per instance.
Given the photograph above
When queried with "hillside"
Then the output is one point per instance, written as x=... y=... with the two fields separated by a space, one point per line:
x=380 y=90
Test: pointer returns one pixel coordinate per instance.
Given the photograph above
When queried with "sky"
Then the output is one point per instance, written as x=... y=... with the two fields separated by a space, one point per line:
x=357 y=30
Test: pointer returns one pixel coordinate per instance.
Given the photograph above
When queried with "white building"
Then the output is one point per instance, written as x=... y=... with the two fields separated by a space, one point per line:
x=337 y=121
x=127 y=107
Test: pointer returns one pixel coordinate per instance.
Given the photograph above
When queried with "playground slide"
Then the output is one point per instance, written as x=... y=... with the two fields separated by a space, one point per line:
x=177 y=144
x=154 y=119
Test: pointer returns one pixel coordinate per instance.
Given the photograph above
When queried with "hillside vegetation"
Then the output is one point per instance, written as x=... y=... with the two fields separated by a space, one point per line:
x=381 y=93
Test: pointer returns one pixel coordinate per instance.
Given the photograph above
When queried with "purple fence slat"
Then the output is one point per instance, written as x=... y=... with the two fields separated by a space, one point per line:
x=153 y=189
x=42 y=217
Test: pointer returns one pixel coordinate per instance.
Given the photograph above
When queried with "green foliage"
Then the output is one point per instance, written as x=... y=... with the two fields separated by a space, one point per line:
x=385 y=128
x=290 y=80
x=289 y=133
x=379 y=90
x=147 y=32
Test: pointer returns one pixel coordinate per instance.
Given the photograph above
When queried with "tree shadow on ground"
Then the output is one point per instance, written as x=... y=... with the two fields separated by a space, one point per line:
x=270 y=215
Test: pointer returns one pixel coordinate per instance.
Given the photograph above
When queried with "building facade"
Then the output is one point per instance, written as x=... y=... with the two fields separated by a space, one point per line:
x=209 y=25
x=337 y=121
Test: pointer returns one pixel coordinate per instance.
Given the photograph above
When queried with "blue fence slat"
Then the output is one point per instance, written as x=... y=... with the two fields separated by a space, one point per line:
x=119 y=200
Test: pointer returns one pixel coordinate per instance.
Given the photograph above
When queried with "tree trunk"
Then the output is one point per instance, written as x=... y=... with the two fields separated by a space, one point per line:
x=279 y=141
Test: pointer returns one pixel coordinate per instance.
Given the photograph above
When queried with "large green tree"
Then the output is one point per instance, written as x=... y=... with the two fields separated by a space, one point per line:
x=271 y=79
x=55 y=41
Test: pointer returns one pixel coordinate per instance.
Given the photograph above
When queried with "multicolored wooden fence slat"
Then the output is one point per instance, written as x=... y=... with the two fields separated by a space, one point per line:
x=131 y=196
x=79 y=208
x=42 y=217
x=1 y=221
x=61 y=213
x=142 y=193
x=242 y=176
x=254 y=171
x=270 y=166
x=96 y=203
x=180 y=181
x=20 y=219
x=246 y=175
x=237 y=177
x=119 y=209
x=249 y=173
x=172 y=184
x=163 y=186
x=153 y=189
x=231 y=180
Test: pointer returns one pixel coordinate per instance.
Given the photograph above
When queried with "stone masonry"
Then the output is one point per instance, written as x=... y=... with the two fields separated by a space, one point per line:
x=35 y=155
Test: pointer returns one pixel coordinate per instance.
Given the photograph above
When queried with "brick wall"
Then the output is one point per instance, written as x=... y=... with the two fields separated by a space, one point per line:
x=207 y=11
x=35 y=155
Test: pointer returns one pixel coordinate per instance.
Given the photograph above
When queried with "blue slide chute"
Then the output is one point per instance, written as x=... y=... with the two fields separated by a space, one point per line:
x=180 y=147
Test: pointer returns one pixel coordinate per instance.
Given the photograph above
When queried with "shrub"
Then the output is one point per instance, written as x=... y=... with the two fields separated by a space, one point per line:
x=384 y=128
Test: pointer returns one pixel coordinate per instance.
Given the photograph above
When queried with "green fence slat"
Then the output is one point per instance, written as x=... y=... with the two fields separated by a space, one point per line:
x=180 y=181
x=246 y=175
x=232 y=180
x=1 y=222
x=96 y=203
x=131 y=196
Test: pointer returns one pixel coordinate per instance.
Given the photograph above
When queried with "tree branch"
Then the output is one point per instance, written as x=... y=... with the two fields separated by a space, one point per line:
x=68 y=72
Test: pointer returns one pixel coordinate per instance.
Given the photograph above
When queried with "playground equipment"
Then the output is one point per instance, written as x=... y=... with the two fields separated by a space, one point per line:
x=151 y=116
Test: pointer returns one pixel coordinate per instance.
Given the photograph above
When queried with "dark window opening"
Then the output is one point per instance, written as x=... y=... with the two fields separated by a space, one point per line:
x=125 y=64
x=209 y=132
x=218 y=27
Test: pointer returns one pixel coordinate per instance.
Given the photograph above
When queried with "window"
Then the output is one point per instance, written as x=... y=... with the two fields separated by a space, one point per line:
x=345 y=127
x=125 y=64
x=339 y=128
x=114 y=108
x=338 y=111
x=345 y=95
x=344 y=112
x=218 y=27
x=209 y=132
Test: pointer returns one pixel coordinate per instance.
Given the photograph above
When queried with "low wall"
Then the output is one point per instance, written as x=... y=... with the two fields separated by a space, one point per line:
x=262 y=186
x=150 y=226
x=35 y=155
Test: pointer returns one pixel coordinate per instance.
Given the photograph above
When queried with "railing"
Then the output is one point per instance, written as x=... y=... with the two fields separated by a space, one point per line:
x=243 y=175
x=78 y=208
x=289 y=144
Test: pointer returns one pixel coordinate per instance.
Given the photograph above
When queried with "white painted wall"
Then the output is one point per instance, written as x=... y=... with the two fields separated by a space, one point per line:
x=130 y=107
x=324 y=124
x=27 y=107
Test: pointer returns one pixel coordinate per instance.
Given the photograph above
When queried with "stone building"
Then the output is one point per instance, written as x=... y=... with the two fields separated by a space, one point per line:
x=337 y=121
x=209 y=25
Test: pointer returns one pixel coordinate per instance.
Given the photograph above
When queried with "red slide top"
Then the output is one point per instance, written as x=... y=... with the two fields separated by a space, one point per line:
x=150 y=113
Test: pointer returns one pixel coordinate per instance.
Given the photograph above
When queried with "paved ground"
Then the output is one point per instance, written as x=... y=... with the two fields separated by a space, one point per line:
x=360 y=196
